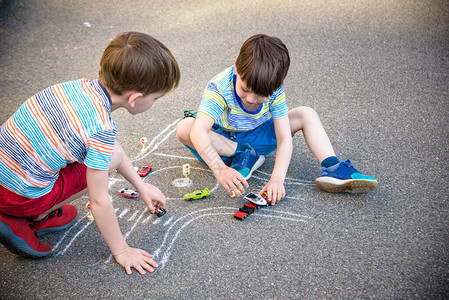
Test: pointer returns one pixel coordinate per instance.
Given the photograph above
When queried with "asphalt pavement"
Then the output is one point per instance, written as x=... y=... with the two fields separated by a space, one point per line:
x=377 y=72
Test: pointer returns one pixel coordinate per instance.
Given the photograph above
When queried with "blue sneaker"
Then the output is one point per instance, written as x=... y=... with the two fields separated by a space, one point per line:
x=247 y=161
x=343 y=177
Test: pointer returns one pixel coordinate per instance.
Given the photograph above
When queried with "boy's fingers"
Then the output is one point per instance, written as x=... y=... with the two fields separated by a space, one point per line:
x=228 y=189
x=151 y=263
x=233 y=192
x=128 y=269
x=145 y=253
x=140 y=269
x=243 y=181
x=240 y=189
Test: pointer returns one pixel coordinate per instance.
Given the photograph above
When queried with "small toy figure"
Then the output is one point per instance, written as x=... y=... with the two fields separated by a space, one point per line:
x=143 y=141
x=186 y=172
x=199 y=194
x=90 y=216
x=239 y=193
x=144 y=170
x=128 y=193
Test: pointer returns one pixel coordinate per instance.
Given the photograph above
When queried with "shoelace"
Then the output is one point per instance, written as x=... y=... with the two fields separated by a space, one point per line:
x=347 y=163
x=56 y=212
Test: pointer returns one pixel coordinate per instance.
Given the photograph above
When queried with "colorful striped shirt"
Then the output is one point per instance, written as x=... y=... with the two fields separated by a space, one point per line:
x=65 y=123
x=221 y=103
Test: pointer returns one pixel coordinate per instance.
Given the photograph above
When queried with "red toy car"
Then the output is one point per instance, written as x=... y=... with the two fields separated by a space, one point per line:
x=144 y=170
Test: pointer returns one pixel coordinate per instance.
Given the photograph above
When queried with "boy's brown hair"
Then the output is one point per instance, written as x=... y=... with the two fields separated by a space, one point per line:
x=263 y=64
x=135 y=61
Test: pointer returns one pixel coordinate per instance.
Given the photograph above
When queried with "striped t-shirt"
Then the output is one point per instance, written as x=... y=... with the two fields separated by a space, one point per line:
x=65 y=123
x=221 y=103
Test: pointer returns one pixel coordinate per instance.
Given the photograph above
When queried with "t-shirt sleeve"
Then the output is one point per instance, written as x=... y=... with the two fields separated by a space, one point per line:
x=278 y=106
x=213 y=103
x=100 y=147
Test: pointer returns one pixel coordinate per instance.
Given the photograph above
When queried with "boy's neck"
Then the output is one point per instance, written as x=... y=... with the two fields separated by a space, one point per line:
x=117 y=101
x=254 y=107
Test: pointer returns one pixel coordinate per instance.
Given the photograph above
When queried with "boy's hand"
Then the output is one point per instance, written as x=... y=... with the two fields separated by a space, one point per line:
x=136 y=258
x=232 y=181
x=151 y=194
x=275 y=190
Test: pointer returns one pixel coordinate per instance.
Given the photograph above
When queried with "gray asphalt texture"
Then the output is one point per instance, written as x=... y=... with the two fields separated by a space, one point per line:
x=375 y=71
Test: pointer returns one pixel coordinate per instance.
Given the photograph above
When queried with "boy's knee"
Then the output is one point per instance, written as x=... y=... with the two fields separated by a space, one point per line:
x=305 y=112
x=301 y=117
x=183 y=129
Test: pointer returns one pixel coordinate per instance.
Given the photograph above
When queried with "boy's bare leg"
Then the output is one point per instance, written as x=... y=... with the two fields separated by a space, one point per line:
x=115 y=162
x=223 y=146
x=306 y=119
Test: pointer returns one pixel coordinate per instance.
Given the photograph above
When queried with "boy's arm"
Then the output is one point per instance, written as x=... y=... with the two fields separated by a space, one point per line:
x=275 y=187
x=229 y=178
x=106 y=220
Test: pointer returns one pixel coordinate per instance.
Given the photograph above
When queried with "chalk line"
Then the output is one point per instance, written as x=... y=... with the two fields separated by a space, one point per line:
x=138 y=157
x=168 y=221
x=74 y=238
x=68 y=231
x=306 y=182
x=124 y=212
x=156 y=252
x=133 y=216
x=279 y=217
x=167 y=253
x=174 y=156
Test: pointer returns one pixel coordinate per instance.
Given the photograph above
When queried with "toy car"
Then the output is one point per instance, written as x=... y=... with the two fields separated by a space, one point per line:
x=256 y=199
x=199 y=194
x=144 y=170
x=190 y=114
x=159 y=211
x=128 y=193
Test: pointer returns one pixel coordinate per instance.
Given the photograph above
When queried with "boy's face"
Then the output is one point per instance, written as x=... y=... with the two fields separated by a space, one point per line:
x=143 y=103
x=250 y=100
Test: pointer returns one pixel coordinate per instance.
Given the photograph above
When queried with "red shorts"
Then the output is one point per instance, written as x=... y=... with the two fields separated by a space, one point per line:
x=72 y=180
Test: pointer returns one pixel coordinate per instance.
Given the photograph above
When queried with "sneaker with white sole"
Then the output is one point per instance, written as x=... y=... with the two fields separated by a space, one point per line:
x=343 y=177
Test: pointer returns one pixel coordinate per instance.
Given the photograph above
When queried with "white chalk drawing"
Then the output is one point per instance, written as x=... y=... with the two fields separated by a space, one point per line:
x=174 y=226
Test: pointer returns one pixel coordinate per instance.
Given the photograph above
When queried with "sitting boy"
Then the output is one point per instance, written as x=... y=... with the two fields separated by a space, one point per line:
x=243 y=117
x=60 y=145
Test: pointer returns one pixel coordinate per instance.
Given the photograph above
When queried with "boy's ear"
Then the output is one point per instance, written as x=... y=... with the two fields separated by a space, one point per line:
x=133 y=96
x=235 y=69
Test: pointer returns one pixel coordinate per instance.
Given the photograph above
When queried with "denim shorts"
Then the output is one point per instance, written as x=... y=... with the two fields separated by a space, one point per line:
x=262 y=139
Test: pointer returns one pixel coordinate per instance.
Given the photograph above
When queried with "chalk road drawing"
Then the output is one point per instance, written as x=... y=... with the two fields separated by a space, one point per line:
x=173 y=226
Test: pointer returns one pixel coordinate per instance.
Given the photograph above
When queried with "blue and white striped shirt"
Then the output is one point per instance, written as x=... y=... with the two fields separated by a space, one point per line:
x=65 y=123
x=221 y=104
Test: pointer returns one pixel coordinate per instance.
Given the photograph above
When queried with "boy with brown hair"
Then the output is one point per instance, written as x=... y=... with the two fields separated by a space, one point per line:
x=243 y=117
x=61 y=144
